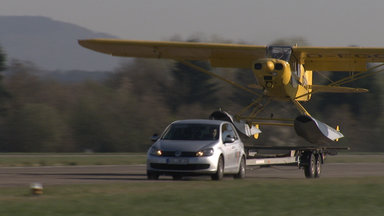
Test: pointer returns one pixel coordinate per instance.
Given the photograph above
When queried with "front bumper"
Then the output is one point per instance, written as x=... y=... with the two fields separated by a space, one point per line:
x=182 y=165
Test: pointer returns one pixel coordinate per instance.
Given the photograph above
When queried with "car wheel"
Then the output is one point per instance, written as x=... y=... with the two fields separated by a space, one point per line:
x=241 y=173
x=220 y=170
x=151 y=175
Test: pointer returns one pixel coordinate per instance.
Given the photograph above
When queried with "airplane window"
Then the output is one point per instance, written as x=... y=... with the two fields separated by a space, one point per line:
x=279 y=52
x=298 y=70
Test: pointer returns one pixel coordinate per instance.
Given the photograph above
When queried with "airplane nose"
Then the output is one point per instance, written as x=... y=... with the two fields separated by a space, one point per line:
x=270 y=65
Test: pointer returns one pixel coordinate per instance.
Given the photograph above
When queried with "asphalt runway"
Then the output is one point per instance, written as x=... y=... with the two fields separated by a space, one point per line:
x=24 y=176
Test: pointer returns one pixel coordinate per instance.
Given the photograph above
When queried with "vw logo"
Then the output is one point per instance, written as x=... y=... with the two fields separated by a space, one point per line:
x=177 y=154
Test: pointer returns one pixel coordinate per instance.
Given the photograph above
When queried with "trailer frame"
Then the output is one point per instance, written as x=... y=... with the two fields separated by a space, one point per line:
x=308 y=158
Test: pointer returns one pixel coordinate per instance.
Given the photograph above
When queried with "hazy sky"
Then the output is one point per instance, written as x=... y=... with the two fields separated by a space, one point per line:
x=325 y=22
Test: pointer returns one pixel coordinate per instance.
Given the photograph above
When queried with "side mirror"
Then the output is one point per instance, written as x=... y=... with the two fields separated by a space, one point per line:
x=155 y=137
x=229 y=139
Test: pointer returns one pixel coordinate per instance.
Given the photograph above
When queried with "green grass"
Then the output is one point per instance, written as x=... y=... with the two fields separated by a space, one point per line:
x=344 y=196
x=52 y=159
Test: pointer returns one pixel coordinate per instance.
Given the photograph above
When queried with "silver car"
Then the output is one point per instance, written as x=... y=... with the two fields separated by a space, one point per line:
x=197 y=147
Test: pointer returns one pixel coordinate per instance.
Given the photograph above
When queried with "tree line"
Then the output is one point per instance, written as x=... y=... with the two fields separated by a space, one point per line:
x=140 y=98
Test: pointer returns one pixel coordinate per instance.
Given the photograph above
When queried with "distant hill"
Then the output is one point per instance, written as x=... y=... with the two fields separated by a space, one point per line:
x=51 y=45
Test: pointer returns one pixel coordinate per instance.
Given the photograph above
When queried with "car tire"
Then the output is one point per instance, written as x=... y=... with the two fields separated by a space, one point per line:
x=151 y=175
x=220 y=170
x=241 y=173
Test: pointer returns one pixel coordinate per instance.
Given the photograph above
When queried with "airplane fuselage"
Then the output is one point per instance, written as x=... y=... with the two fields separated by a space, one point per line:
x=283 y=79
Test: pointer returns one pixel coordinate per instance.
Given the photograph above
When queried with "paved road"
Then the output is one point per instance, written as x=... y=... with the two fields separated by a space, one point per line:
x=23 y=176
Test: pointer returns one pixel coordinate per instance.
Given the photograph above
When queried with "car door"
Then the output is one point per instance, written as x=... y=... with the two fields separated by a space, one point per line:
x=238 y=149
x=230 y=148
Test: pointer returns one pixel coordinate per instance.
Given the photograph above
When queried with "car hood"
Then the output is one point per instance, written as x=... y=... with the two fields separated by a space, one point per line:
x=184 y=145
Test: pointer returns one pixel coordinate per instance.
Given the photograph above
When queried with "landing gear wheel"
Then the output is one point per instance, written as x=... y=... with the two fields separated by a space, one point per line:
x=151 y=175
x=241 y=173
x=220 y=170
x=310 y=167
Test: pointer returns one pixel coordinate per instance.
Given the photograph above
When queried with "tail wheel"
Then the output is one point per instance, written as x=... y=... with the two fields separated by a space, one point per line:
x=220 y=170
x=310 y=167
x=241 y=173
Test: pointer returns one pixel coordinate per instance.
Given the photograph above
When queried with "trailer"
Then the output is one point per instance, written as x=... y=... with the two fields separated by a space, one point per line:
x=308 y=158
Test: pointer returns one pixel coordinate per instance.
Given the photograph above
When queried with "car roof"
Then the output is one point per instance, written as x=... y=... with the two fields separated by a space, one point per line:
x=199 y=121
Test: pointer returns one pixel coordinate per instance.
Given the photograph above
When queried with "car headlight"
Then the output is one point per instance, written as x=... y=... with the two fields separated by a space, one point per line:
x=205 y=152
x=155 y=151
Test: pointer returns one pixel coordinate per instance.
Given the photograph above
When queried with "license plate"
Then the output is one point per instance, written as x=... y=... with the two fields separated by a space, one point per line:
x=177 y=161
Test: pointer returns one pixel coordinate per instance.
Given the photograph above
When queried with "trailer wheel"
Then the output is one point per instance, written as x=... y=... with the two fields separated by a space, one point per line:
x=318 y=166
x=310 y=167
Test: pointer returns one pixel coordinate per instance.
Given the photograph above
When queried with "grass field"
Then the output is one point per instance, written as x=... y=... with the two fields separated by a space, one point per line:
x=70 y=159
x=346 y=196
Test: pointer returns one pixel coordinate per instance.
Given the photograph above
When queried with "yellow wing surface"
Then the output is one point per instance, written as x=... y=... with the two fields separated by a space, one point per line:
x=239 y=55
x=337 y=58
x=219 y=55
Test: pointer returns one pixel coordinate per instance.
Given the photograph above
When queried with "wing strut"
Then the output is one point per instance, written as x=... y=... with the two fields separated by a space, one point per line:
x=189 y=64
x=301 y=108
x=360 y=75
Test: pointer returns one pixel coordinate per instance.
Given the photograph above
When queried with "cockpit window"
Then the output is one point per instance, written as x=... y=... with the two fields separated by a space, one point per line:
x=183 y=131
x=279 y=52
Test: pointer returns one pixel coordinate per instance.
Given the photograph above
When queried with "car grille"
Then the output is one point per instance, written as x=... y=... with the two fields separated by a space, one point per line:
x=179 y=166
x=182 y=154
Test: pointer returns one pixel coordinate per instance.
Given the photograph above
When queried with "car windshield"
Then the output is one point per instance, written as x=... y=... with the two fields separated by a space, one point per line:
x=184 y=131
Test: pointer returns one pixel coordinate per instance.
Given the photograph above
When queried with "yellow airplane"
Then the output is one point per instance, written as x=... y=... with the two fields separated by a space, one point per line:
x=282 y=72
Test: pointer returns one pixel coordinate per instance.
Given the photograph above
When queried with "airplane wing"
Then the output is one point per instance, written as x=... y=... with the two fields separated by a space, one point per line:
x=238 y=55
x=337 y=58
x=219 y=55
